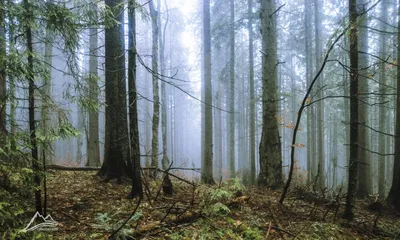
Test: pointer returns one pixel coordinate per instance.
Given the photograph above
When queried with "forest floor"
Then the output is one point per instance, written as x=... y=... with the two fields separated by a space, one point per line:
x=86 y=208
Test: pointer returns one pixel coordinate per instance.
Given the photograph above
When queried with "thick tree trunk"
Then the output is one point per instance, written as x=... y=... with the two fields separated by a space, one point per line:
x=156 y=97
x=93 y=150
x=116 y=137
x=270 y=146
x=207 y=158
x=137 y=189
x=364 y=177
x=352 y=184
x=394 y=193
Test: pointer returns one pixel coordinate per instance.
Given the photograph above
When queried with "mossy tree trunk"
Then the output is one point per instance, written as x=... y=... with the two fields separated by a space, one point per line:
x=270 y=146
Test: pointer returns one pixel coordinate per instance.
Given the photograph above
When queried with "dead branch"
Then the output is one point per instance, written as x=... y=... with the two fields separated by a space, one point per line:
x=65 y=168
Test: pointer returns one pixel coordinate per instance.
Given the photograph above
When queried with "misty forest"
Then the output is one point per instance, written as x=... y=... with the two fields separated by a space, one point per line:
x=199 y=119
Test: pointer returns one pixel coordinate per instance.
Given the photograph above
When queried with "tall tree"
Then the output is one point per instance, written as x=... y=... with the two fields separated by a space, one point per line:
x=3 y=93
x=353 y=161
x=137 y=189
x=270 y=146
x=93 y=150
x=394 y=194
x=207 y=129
x=320 y=107
x=382 y=77
x=382 y=110
x=252 y=119
x=161 y=35
x=364 y=177
x=116 y=137
x=231 y=120
x=309 y=66
x=156 y=97
x=31 y=109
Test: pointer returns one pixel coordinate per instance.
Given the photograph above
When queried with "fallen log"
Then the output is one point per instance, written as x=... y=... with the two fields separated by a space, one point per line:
x=84 y=168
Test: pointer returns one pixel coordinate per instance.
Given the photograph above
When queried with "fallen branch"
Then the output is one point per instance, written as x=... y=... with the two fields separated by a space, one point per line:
x=127 y=220
x=65 y=168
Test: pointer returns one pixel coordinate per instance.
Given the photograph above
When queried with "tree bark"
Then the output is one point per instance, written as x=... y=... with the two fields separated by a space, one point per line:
x=382 y=109
x=394 y=193
x=252 y=119
x=364 y=177
x=320 y=184
x=270 y=146
x=31 y=109
x=164 y=129
x=156 y=97
x=93 y=150
x=116 y=137
x=3 y=90
x=309 y=66
x=207 y=158
x=352 y=184
x=231 y=120
x=137 y=189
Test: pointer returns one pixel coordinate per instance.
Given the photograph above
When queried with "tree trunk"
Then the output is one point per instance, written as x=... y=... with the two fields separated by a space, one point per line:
x=161 y=35
x=116 y=137
x=309 y=66
x=207 y=158
x=31 y=110
x=382 y=109
x=137 y=189
x=13 y=101
x=335 y=149
x=320 y=184
x=352 y=184
x=364 y=177
x=252 y=119
x=231 y=120
x=394 y=193
x=93 y=150
x=3 y=90
x=156 y=98
x=270 y=146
